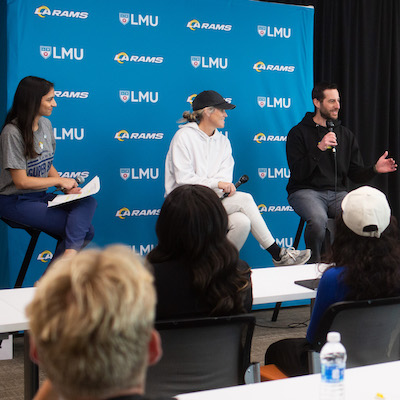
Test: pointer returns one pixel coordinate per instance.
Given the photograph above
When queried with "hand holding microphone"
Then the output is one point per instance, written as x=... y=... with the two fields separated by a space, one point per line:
x=330 y=125
x=329 y=140
x=242 y=179
x=67 y=188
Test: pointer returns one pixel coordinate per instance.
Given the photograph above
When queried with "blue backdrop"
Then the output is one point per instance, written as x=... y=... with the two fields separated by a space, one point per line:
x=124 y=72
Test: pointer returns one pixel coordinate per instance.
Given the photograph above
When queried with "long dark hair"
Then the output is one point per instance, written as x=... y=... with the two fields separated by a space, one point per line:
x=192 y=228
x=25 y=108
x=372 y=265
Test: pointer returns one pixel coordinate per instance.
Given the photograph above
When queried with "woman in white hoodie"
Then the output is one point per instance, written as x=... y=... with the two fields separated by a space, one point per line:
x=200 y=154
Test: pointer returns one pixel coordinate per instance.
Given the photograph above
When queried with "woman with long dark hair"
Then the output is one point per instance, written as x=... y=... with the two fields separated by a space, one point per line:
x=27 y=147
x=197 y=269
x=364 y=264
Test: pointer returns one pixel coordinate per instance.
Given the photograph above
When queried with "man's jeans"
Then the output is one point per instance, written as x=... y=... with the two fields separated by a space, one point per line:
x=315 y=207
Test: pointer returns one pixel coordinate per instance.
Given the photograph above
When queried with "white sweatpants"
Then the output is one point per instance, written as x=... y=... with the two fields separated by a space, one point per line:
x=244 y=216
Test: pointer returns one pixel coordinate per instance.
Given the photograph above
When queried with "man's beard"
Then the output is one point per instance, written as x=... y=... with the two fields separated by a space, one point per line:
x=326 y=116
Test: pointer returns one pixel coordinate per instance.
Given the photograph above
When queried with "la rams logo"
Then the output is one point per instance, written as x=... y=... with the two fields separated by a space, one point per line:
x=261 y=30
x=122 y=135
x=45 y=52
x=261 y=101
x=262 y=208
x=121 y=57
x=45 y=256
x=195 y=61
x=260 y=137
x=123 y=213
x=125 y=173
x=191 y=98
x=42 y=10
x=262 y=172
x=124 y=95
x=123 y=18
x=193 y=24
x=259 y=66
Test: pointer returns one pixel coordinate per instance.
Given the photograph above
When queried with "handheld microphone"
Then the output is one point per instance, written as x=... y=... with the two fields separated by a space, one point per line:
x=242 y=179
x=330 y=125
x=79 y=179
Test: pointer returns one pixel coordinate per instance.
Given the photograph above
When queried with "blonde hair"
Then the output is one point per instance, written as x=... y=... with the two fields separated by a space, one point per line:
x=91 y=319
x=195 y=116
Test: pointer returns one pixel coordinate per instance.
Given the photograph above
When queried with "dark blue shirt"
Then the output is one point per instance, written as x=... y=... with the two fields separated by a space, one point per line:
x=331 y=289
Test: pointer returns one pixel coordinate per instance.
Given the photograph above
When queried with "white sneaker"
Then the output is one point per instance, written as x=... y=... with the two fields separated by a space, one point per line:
x=290 y=256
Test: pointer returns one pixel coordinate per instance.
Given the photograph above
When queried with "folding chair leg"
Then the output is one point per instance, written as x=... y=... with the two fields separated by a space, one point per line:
x=31 y=372
x=276 y=311
x=298 y=233
x=27 y=259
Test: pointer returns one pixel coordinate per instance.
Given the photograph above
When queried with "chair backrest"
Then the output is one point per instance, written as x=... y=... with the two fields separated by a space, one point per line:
x=370 y=330
x=201 y=354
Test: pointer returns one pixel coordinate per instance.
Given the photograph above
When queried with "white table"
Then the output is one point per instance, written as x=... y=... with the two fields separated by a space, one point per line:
x=13 y=319
x=276 y=284
x=362 y=383
x=12 y=309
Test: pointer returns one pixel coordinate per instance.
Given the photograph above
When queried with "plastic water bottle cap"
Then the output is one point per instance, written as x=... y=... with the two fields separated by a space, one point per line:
x=333 y=337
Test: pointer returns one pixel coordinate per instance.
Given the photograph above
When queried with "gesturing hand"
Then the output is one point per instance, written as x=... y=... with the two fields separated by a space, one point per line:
x=385 y=164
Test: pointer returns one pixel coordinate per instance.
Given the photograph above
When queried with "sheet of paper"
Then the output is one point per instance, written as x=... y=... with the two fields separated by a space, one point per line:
x=91 y=188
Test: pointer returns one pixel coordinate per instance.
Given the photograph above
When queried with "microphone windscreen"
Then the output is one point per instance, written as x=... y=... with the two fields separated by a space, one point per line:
x=244 y=178
x=79 y=179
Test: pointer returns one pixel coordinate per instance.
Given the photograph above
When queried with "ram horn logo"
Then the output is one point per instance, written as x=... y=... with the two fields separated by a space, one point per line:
x=45 y=256
x=193 y=24
x=123 y=213
x=261 y=101
x=45 y=52
x=261 y=30
x=258 y=66
x=42 y=9
x=121 y=57
x=262 y=208
x=195 y=61
x=191 y=98
x=262 y=172
x=124 y=95
x=125 y=173
x=260 y=137
x=123 y=18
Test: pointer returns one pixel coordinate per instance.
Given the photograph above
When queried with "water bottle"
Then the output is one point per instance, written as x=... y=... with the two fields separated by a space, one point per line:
x=333 y=363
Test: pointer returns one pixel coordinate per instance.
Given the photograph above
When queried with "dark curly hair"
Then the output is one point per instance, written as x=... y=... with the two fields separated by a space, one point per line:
x=192 y=228
x=372 y=265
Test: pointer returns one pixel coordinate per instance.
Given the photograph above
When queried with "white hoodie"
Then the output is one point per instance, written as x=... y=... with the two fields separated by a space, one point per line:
x=196 y=158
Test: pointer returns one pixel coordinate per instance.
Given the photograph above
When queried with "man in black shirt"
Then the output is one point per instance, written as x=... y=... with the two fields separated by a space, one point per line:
x=322 y=159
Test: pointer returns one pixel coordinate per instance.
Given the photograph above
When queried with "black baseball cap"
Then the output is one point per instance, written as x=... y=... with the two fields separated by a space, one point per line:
x=210 y=98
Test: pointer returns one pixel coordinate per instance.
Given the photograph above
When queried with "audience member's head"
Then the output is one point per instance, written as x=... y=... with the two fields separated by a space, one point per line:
x=192 y=219
x=192 y=228
x=367 y=243
x=91 y=324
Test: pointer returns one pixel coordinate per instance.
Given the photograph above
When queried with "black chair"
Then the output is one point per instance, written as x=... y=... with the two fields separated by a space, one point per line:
x=34 y=234
x=330 y=229
x=370 y=331
x=201 y=354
